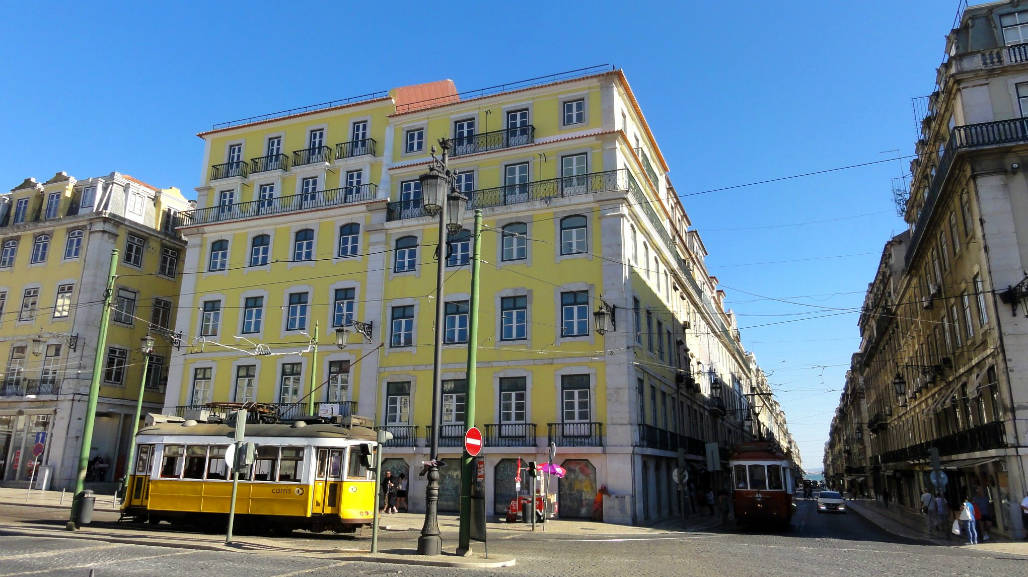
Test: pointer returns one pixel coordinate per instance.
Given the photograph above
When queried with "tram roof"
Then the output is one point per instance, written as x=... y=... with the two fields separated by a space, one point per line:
x=319 y=431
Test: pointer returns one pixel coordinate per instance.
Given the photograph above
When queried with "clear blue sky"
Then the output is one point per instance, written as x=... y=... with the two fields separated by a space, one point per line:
x=735 y=93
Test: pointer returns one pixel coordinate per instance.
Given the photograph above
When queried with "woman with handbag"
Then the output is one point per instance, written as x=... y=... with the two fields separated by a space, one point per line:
x=967 y=521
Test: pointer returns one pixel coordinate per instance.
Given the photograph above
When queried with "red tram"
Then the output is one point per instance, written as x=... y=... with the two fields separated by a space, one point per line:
x=761 y=484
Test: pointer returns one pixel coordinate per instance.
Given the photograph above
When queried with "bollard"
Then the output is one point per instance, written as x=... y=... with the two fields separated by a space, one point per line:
x=61 y=503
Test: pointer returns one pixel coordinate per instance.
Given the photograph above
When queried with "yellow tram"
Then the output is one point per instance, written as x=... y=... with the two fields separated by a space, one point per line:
x=305 y=476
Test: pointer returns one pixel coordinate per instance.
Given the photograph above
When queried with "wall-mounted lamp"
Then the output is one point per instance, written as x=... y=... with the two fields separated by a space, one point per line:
x=1017 y=296
x=603 y=317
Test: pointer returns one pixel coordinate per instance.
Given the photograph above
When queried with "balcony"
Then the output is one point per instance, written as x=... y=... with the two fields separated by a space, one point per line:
x=647 y=166
x=513 y=194
x=981 y=438
x=991 y=58
x=229 y=170
x=270 y=162
x=656 y=438
x=264 y=412
x=313 y=155
x=510 y=435
x=588 y=434
x=356 y=148
x=281 y=205
x=998 y=133
x=403 y=435
x=449 y=435
x=23 y=387
x=496 y=140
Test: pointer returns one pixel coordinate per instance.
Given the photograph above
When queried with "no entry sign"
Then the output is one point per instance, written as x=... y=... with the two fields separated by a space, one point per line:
x=473 y=441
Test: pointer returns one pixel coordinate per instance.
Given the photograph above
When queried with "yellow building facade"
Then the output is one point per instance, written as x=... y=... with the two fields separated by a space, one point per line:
x=315 y=219
x=56 y=239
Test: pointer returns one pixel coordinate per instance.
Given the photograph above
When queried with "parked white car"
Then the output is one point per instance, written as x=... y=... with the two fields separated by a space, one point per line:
x=830 y=502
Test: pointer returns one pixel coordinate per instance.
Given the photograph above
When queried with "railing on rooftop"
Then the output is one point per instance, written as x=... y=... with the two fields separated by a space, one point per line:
x=312 y=155
x=495 y=140
x=301 y=109
x=270 y=162
x=281 y=205
x=354 y=148
x=512 y=194
x=228 y=170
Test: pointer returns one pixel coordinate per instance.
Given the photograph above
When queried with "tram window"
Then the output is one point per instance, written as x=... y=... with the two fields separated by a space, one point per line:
x=196 y=460
x=264 y=467
x=322 y=463
x=172 y=463
x=774 y=477
x=356 y=469
x=740 y=476
x=217 y=468
x=143 y=461
x=335 y=464
x=758 y=478
x=289 y=464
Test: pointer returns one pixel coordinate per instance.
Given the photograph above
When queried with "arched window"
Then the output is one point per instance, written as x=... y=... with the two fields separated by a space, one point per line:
x=406 y=258
x=40 y=248
x=219 y=256
x=303 y=245
x=573 y=234
x=515 y=241
x=348 y=239
x=260 y=249
x=9 y=251
x=73 y=245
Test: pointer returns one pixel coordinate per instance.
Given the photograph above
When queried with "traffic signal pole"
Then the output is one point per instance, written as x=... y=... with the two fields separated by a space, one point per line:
x=467 y=471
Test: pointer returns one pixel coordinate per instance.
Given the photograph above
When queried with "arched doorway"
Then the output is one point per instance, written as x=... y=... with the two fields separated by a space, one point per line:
x=503 y=485
x=577 y=490
x=449 y=486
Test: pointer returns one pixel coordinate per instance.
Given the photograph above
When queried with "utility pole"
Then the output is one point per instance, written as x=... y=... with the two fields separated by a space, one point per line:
x=237 y=448
x=314 y=371
x=467 y=462
x=147 y=348
x=94 y=394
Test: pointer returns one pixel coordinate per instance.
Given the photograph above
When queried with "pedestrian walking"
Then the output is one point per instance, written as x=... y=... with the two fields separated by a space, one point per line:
x=401 y=492
x=940 y=514
x=926 y=509
x=967 y=525
x=709 y=497
x=982 y=513
x=388 y=493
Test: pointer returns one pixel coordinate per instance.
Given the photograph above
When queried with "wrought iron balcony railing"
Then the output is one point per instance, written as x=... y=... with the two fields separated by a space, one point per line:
x=647 y=166
x=312 y=155
x=512 y=194
x=270 y=162
x=588 y=434
x=403 y=435
x=498 y=139
x=281 y=205
x=981 y=438
x=449 y=435
x=356 y=148
x=510 y=435
x=21 y=387
x=228 y=170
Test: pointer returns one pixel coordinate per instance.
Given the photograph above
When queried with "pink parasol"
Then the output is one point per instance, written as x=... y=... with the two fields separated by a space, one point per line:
x=553 y=469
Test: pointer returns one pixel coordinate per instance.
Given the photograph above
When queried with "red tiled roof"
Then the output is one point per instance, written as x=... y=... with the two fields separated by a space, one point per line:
x=428 y=95
x=139 y=182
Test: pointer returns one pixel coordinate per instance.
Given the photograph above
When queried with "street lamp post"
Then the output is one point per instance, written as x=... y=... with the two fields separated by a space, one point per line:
x=438 y=191
x=146 y=347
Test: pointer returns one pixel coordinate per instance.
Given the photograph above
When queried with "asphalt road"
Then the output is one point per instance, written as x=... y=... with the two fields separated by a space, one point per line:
x=817 y=545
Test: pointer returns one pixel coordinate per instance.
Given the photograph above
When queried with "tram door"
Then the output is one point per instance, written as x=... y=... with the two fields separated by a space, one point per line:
x=334 y=482
x=320 y=481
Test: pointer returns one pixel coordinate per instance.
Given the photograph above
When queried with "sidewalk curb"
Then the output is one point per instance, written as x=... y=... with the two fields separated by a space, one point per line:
x=410 y=558
x=894 y=533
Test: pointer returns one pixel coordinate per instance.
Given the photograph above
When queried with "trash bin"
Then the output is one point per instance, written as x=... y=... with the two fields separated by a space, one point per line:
x=82 y=508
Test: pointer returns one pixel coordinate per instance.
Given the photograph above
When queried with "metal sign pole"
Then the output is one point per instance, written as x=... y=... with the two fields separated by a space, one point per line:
x=236 y=447
x=381 y=439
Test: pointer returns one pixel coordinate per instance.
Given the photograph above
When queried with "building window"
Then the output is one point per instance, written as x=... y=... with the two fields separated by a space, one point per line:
x=315 y=140
x=965 y=213
x=29 y=302
x=296 y=314
x=274 y=148
x=456 y=322
x=260 y=247
x=289 y=387
x=955 y=319
x=515 y=183
x=512 y=400
x=124 y=306
x=515 y=242
x=402 y=330
x=21 y=208
x=210 y=318
x=309 y=190
x=161 y=315
x=343 y=307
x=253 y=314
x=73 y=245
x=51 y=368
x=40 y=249
x=53 y=204
x=415 y=140
x=15 y=367
x=635 y=245
x=134 y=250
x=266 y=195
x=246 y=384
x=574 y=112
x=454 y=399
x=338 y=383
x=10 y=250
x=406 y=257
x=660 y=341
x=135 y=204
x=458 y=248
x=518 y=129
x=114 y=371
x=226 y=199
x=62 y=306
x=349 y=237
x=464 y=133
x=169 y=262
x=3 y=305
x=965 y=300
x=410 y=194
x=359 y=133
x=574 y=313
x=979 y=289
x=637 y=312
x=944 y=250
x=354 y=182
x=573 y=234
x=88 y=196
x=303 y=245
x=398 y=403
x=464 y=180
x=1015 y=28
x=513 y=318
x=201 y=385
x=649 y=331
x=575 y=398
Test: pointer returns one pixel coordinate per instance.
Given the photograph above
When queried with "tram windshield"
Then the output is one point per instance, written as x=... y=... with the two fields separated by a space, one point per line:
x=758 y=477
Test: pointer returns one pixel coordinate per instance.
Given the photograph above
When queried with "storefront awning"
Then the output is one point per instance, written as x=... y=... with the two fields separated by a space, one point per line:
x=967 y=463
